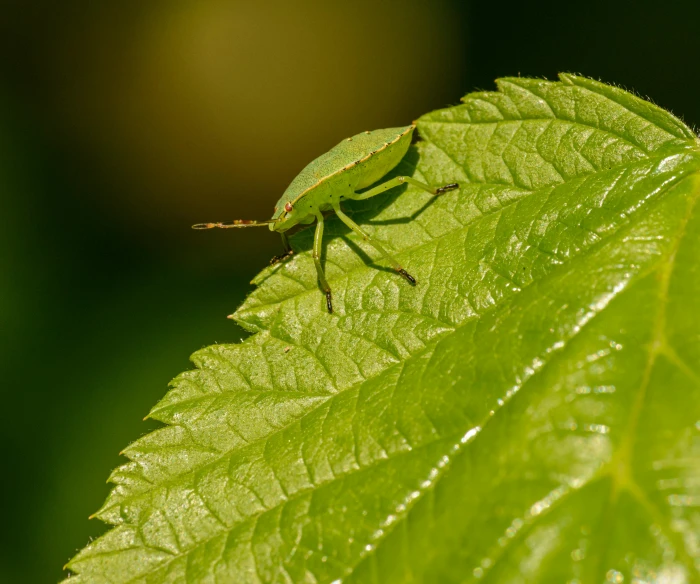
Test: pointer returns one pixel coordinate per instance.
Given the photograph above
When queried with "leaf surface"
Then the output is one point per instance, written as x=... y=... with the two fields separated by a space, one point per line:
x=529 y=412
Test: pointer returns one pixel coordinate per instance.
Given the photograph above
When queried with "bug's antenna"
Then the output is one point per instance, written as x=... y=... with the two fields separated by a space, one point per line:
x=229 y=225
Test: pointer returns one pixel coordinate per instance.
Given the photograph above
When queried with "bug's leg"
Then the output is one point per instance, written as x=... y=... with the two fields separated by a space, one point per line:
x=357 y=229
x=318 y=239
x=287 y=250
x=399 y=180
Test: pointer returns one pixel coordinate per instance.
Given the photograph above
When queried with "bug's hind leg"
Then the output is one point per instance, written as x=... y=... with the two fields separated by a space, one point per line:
x=357 y=229
x=399 y=180
x=288 y=251
x=318 y=239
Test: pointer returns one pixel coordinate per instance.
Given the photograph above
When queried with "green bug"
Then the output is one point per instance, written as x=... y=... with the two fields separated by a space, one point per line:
x=337 y=175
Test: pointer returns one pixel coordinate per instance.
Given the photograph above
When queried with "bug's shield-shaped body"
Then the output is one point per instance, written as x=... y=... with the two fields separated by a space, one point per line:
x=352 y=165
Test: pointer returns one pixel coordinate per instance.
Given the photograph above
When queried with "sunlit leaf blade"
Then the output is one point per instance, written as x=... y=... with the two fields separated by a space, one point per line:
x=530 y=412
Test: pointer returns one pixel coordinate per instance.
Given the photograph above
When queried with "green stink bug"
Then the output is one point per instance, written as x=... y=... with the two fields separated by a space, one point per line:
x=337 y=175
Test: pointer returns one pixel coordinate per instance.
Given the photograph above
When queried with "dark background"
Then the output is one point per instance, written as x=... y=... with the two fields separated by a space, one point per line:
x=122 y=123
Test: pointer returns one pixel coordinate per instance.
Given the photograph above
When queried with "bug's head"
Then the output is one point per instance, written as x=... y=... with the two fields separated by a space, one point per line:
x=286 y=216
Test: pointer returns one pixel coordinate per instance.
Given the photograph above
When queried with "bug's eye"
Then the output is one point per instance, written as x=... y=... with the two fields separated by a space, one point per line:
x=288 y=207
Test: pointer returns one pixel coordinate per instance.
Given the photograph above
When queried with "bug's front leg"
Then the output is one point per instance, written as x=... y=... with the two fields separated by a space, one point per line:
x=399 y=180
x=318 y=240
x=288 y=251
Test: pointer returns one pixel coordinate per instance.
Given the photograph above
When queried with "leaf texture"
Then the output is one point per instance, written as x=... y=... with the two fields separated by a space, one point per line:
x=529 y=412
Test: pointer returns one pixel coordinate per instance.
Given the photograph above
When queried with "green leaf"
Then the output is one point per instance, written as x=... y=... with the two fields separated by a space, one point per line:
x=530 y=412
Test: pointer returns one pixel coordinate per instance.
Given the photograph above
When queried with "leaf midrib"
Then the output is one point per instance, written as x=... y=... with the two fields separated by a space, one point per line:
x=622 y=459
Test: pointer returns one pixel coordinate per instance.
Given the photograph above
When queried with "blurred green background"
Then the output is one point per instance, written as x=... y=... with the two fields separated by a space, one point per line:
x=122 y=123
